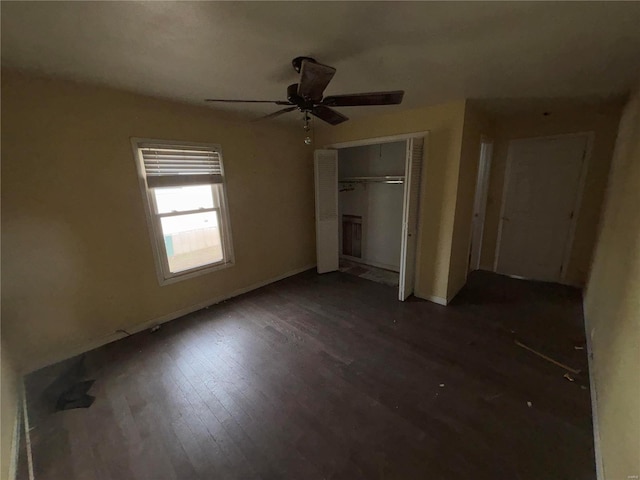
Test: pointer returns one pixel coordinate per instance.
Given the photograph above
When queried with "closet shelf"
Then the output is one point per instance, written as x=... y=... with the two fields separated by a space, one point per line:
x=383 y=179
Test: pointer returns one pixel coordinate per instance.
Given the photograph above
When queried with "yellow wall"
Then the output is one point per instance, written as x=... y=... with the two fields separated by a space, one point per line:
x=439 y=186
x=612 y=307
x=77 y=260
x=603 y=121
x=476 y=124
x=8 y=411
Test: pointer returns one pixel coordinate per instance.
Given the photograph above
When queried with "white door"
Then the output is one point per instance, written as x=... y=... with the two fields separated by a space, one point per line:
x=480 y=204
x=413 y=169
x=326 y=185
x=541 y=195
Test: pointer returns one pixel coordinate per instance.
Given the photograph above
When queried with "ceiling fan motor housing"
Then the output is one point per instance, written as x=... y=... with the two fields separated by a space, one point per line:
x=293 y=97
x=297 y=62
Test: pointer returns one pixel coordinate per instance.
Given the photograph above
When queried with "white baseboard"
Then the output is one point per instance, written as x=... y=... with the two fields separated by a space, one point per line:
x=559 y=281
x=594 y=401
x=441 y=300
x=432 y=298
x=453 y=295
x=112 y=337
x=27 y=430
x=15 y=441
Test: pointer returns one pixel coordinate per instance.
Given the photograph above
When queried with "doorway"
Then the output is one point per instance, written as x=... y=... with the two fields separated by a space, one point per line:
x=370 y=203
x=373 y=187
x=542 y=192
x=480 y=203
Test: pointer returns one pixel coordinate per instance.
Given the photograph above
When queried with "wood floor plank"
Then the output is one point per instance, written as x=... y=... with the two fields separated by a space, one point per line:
x=237 y=401
x=330 y=377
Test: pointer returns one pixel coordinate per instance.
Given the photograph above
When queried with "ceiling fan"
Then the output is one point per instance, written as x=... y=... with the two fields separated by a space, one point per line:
x=306 y=95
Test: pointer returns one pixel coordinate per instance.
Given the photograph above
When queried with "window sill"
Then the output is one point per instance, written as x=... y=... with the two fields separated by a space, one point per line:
x=196 y=272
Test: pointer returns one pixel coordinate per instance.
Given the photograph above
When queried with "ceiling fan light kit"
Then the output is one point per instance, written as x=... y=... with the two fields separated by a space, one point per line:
x=307 y=95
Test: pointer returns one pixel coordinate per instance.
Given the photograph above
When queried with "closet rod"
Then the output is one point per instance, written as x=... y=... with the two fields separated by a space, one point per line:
x=384 y=179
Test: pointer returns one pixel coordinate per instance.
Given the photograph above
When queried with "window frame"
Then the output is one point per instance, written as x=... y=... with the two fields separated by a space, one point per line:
x=161 y=259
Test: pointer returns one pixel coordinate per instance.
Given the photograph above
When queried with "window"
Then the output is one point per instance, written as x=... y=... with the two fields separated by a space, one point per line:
x=184 y=192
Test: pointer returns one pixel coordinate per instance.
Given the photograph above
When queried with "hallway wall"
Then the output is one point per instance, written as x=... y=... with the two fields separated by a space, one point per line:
x=612 y=307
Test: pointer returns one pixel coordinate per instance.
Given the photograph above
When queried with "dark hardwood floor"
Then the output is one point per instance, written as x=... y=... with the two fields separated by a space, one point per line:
x=330 y=377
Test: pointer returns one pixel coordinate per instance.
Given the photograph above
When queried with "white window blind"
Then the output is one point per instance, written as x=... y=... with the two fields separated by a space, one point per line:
x=184 y=192
x=174 y=166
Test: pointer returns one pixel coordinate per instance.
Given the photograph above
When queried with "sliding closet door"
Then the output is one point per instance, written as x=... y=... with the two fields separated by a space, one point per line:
x=415 y=148
x=326 y=176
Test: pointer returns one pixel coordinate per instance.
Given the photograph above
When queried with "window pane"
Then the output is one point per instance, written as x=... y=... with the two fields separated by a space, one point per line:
x=180 y=199
x=192 y=240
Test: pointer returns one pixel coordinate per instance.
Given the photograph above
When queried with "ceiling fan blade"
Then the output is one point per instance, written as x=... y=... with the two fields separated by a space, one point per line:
x=314 y=78
x=364 y=99
x=275 y=114
x=277 y=102
x=328 y=115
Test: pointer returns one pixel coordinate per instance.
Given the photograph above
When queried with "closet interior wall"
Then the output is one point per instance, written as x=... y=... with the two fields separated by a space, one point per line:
x=371 y=210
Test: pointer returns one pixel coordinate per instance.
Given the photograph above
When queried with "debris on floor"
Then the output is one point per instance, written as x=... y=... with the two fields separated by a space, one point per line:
x=569 y=377
x=76 y=396
x=547 y=358
x=69 y=388
x=529 y=404
x=493 y=397
x=369 y=272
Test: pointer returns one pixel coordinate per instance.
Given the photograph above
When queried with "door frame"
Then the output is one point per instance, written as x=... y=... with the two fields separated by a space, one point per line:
x=391 y=139
x=326 y=262
x=568 y=247
x=377 y=140
x=406 y=235
x=484 y=169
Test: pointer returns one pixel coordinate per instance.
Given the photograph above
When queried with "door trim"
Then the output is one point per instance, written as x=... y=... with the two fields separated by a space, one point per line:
x=327 y=229
x=485 y=161
x=577 y=205
x=377 y=140
x=410 y=186
x=568 y=247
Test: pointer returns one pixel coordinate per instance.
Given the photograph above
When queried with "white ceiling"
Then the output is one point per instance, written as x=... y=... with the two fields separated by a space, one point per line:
x=436 y=52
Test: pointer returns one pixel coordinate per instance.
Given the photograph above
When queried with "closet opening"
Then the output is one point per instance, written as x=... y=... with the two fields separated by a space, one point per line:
x=367 y=196
x=370 y=204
